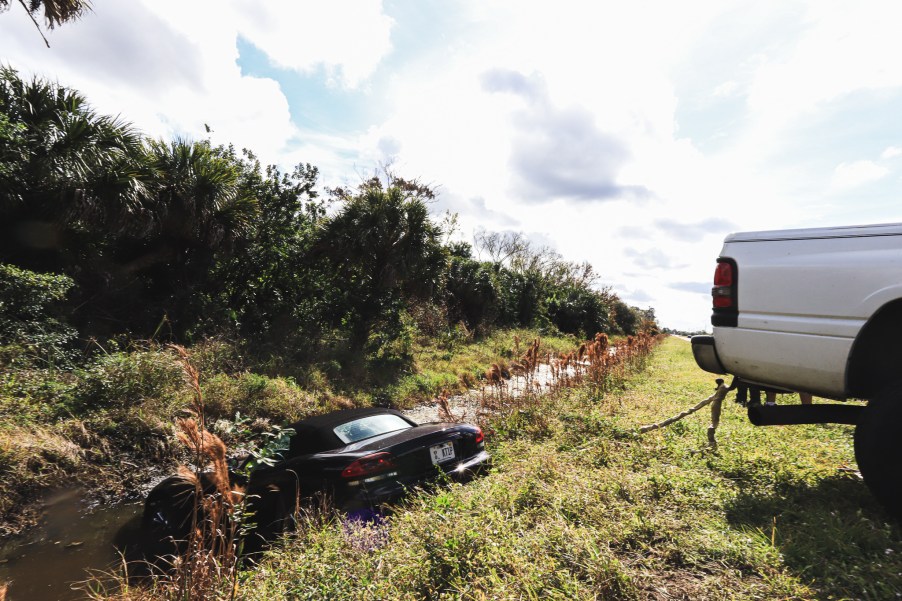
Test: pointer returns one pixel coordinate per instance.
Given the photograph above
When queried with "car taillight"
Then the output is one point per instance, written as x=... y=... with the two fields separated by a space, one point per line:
x=366 y=466
x=724 y=291
x=479 y=435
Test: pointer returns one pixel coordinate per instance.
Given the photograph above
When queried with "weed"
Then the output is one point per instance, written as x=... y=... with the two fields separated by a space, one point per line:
x=579 y=506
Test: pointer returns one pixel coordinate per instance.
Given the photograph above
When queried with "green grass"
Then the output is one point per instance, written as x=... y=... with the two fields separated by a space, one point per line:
x=459 y=366
x=95 y=423
x=578 y=505
x=59 y=426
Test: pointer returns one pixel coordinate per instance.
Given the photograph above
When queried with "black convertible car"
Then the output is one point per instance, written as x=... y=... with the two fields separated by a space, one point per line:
x=357 y=458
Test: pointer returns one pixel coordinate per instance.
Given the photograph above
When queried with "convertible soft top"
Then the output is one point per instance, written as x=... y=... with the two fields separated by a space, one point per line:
x=315 y=434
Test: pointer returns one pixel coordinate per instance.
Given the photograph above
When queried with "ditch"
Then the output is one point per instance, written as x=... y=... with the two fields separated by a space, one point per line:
x=70 y=539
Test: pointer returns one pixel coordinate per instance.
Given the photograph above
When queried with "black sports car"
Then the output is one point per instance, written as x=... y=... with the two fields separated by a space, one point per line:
x=357 y=458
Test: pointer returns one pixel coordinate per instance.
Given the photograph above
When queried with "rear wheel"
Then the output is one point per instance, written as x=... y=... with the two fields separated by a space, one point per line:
x=878 y=447
x=169 y=508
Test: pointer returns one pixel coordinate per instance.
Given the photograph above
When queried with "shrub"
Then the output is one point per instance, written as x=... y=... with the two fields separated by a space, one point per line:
x=128 y=379
x=278 y=399
x=578 y=310
x=29 y=316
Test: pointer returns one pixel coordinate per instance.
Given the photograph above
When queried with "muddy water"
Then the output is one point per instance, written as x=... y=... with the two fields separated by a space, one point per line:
x=469 y=405
x=70 y=540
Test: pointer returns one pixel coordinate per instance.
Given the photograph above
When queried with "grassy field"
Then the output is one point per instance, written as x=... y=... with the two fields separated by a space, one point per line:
x=578 y=505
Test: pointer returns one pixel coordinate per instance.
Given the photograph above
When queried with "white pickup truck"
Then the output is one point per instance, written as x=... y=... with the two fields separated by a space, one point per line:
x=819 y=311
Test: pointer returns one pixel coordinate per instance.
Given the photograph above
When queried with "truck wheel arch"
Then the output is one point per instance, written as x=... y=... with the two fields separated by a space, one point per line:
x=876 y=356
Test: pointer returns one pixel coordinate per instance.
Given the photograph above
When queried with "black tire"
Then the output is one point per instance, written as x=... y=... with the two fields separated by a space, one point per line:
x=878 y=447
x=169 y=508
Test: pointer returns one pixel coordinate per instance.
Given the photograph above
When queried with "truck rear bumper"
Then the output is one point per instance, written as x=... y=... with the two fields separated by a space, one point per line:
x=705 y=354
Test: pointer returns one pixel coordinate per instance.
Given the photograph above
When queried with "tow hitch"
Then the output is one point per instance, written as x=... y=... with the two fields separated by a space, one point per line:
x=791 y=415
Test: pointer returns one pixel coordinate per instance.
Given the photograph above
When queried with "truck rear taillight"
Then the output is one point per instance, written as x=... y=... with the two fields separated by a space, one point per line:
x=723 y=275
x=723 y=291
x=724 y=294
x=723 y=297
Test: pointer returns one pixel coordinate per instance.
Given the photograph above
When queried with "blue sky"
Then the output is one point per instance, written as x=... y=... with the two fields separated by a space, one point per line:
x=634 y=136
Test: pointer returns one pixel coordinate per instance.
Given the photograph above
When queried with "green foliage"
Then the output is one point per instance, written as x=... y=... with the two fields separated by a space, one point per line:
x=29 y=316
x=580 y=506
x=278 y=399
x=181 y=241
x=625 y=318
x=520 y=297
x=127 y=380
x=383 y=249
x=68 y=173
x=275 y=441
x=578 y=310
x=253 y=289
x=472 y=290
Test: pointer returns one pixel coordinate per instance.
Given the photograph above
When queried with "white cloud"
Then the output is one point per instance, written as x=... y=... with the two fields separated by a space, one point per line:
x=347 y=37
x=170 y=66
x=618 y=70
x=726 y=89
x=840 y=48
x=891 y=152
x=857 y=173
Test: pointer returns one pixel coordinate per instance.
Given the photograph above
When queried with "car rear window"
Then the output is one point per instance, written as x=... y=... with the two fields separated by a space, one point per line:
x=367 y=427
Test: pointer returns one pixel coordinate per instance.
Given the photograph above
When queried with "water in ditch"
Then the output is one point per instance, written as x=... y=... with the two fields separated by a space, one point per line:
x=70 y=540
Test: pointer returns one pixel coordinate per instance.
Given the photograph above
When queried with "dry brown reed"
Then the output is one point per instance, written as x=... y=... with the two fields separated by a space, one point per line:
x=209 y=558
x=595 y=363
x=444 y=408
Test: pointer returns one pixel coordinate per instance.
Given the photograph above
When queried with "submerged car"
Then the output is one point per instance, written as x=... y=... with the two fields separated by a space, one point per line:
x=358 y=459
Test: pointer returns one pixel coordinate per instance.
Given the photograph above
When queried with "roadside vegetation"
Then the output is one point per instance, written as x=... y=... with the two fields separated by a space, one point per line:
x=209 y=566
x=578 y=505
x=290 y=298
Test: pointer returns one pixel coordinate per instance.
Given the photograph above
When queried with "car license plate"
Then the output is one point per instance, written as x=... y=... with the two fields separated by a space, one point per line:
x=442 y=452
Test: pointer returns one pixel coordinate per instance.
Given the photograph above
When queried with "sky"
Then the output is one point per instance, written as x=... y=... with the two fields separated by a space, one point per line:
x=632 y=135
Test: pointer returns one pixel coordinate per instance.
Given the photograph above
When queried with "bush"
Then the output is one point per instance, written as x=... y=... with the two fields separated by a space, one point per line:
x=472 y=291
x=578 y=310
x=30 y=325
x=278 y=399
x=129 y=379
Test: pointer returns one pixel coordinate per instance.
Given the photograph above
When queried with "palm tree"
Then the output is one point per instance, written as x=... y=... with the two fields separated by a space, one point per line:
x=85 y=194
x=198 y=202
x=65 y=170
x=56 y=12
x=383 y=248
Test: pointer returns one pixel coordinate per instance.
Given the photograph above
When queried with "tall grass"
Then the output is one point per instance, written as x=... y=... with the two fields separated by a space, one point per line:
x=207 y=561
x=580 y=506
x=596 y=365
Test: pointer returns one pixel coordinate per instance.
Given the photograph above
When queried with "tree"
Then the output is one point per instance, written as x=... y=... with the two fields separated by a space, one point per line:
x=198 y=212
x=138 y=225
x=626 y=318
x=67 y=175
x=579 y=310
x=472 y=290
x=269 y=288
x=55 y=12
x=381 y=249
